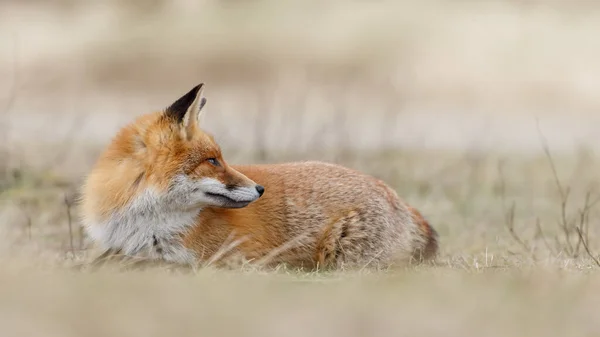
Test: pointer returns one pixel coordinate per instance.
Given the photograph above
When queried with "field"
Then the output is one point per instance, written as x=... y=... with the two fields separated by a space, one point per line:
x=484 y=115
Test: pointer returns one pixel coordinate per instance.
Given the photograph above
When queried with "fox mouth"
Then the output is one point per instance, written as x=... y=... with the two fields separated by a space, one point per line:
x=227 y=202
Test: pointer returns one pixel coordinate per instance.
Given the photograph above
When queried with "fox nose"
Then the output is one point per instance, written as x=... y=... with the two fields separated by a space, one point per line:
x=260 y=189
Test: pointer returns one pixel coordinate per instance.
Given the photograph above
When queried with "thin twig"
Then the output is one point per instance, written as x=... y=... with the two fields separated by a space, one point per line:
x=29 y=227
x=23 y=206
x=70 y=223
x=564 y=194
x=540 y=234
x=583 y=217
x=551 y=161
x=509 y=213
x=587 y=249
x=81 y=237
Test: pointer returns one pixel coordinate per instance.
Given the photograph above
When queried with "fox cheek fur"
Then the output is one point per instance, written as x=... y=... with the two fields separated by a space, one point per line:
x=207 y=192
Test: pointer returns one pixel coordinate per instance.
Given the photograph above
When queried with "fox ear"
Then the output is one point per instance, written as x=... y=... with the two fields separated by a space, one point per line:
x=186 y=109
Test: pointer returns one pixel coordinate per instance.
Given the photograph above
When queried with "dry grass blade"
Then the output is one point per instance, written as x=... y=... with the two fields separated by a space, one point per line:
x=115 y=258
x=371 y=260
x=68 y=205
x=293 y=243
x=109 y=254
x=228 y=245
x=99 y=261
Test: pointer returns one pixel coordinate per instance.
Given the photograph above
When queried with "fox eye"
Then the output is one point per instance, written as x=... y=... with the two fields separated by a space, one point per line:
x=213 y=161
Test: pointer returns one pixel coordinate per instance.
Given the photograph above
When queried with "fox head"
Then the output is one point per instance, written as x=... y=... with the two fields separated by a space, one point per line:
x=161 y=170
x=198 y=168
x=156 y=176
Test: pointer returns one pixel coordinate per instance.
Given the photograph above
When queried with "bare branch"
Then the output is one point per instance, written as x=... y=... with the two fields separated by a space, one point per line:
x=563 y=194
x=509 y=213
x=587 y=249
x=540 y=234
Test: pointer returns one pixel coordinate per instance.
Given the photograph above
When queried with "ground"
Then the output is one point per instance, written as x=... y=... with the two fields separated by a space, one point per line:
x=484 y=117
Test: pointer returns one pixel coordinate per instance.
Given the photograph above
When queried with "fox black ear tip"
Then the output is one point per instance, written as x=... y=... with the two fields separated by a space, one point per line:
x=196 y=89
x=179 y=108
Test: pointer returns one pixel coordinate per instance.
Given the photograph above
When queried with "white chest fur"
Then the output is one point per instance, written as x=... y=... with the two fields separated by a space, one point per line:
x=149 y=226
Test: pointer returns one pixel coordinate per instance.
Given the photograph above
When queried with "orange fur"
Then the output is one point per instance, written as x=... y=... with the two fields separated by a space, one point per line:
x=333 y=216
x=428 y=232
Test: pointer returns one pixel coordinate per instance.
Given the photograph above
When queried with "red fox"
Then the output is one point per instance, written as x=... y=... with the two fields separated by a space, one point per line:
x=162 y=189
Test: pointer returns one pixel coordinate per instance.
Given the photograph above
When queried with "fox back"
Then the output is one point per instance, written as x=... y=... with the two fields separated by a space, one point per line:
x=162 y=189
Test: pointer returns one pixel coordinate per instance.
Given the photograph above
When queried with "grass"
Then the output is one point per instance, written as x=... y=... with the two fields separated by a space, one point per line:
x=435 y=98
x=487 y=279
x=490 y=211
x=429 y=303
x=510 y=261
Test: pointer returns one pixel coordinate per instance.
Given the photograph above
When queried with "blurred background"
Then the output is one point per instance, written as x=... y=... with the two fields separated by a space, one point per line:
x=484 y=115
x=431 y=96
x=306 y=76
